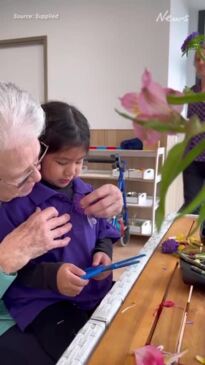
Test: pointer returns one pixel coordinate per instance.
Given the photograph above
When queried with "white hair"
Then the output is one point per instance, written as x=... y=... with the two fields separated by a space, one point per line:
x=21 y=117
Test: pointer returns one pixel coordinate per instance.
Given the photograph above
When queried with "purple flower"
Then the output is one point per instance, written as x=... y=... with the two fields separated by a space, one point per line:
x=170 y=246
x=185 y=45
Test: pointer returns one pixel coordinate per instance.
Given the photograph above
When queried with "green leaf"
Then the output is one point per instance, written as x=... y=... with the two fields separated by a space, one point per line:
x=191 y=155
x=198 y=201
x=194 y=126
x=155 y=124
x=175 y=163
x=195 y=203
x=162 y=126
x=170 y=171
x=201 y=218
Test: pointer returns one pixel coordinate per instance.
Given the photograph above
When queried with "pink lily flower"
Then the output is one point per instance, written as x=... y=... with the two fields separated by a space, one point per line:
x=152 y=100
x=149 y=355
x=149 y=135
x=130 y=102
x=150 y=104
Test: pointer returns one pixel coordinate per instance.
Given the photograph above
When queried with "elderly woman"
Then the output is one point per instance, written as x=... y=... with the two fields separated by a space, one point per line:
x=21 y=123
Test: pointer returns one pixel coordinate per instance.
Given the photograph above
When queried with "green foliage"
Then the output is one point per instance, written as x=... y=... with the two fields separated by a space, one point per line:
x=176 y=162
x=171 y=122
x=170 y=171
x=193 y=43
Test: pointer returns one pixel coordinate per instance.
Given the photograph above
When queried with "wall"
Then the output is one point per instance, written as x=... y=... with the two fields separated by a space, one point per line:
x=97 y=49
x=179 y=28
x=193 y=27
x=16 y=63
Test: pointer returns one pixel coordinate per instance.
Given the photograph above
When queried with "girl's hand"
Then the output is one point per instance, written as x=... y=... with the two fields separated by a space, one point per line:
x=69 y=280
x=101 y=258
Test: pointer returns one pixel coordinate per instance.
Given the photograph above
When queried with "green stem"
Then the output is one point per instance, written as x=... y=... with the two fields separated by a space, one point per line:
x=193 y=98
x=126 y=116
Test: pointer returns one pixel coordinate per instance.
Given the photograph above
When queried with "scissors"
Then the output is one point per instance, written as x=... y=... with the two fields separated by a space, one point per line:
x=96 y=270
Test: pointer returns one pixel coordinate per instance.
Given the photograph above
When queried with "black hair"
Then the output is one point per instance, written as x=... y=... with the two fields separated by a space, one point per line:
x=65 y=127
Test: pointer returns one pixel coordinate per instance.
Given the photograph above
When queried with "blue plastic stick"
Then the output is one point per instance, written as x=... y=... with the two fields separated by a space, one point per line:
x=93 y=271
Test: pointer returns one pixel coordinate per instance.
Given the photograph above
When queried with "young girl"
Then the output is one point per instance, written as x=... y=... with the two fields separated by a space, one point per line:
x=49 y=298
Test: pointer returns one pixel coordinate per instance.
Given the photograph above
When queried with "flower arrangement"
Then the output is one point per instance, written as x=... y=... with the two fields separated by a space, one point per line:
x=155 y=110
x=181 y=243
x=193 y=41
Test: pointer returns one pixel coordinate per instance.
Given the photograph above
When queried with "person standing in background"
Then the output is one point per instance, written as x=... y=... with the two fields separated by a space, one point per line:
x=194 y=174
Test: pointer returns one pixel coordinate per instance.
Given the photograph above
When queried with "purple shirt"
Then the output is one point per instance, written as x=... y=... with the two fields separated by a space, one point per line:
x=199 y=110
x=24 y=303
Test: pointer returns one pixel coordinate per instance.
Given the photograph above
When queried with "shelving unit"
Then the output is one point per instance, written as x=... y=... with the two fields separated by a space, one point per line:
x=140 y=215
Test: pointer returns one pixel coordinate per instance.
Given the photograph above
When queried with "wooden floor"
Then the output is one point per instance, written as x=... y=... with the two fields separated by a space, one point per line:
x=132 y=248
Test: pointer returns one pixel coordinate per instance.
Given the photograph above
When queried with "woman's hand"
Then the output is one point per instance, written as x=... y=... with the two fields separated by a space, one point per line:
x=33 y=238
x=69 y=280
x=104 y=202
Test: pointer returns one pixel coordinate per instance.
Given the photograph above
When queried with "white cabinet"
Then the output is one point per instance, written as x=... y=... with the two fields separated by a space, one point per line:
x=142 y=178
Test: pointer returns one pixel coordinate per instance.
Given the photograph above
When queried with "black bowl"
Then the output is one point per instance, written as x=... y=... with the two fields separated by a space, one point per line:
x=190 y=275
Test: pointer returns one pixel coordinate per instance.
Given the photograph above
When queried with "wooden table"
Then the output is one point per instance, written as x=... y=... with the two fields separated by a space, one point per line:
x=139 y=325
